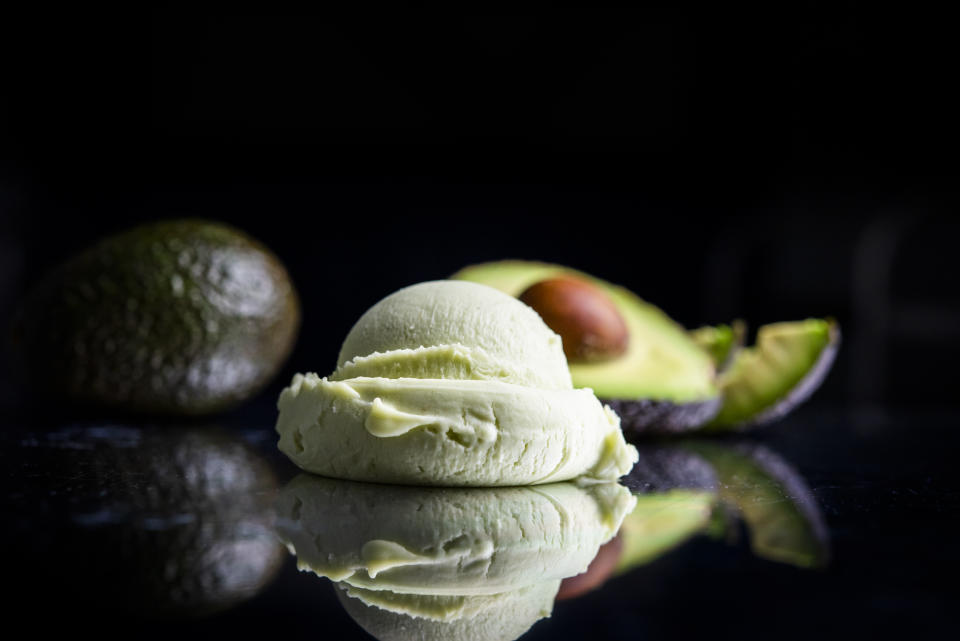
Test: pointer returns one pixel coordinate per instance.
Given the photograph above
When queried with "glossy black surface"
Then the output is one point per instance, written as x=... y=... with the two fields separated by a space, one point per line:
x=89 y=515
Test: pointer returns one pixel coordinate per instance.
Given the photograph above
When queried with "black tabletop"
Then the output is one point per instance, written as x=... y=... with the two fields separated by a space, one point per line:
x=830 y=524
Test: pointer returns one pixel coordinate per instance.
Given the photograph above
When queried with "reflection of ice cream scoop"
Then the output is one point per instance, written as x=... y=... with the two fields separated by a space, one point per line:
x=446 y=540
x=456 y=384
x=447 y=563
x=389 y=616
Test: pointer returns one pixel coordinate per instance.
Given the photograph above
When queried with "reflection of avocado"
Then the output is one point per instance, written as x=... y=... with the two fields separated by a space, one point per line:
x=676 y=493
x=781 y=514
x=663 y=382
x=662 y=521
x=661 y=468
x=177 y=317
x=159 y=522
x=721 y=342
x=788 y=363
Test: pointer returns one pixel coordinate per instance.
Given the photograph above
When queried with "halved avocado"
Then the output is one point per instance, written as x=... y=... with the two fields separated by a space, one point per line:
x=664 y=382
x=722 y=342
x=766 y=381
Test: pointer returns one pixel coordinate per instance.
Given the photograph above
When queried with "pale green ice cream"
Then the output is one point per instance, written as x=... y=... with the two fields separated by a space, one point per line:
x=442 y=541
x=456 y=384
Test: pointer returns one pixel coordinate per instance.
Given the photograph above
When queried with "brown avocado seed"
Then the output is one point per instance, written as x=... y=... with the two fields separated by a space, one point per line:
x=583 y=315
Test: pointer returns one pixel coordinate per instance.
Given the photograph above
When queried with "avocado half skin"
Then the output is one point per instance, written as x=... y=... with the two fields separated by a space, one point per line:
x=640 y=415
x=180 y=317
x=649 y=416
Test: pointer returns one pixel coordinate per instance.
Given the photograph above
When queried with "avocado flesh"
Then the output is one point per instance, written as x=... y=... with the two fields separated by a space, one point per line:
x=781 y=514
x=662 y=366
x=181 y=317
x=764 y=382
x=721 y=342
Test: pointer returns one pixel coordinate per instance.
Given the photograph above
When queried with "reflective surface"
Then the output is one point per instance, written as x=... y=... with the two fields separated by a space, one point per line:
x=830 y=525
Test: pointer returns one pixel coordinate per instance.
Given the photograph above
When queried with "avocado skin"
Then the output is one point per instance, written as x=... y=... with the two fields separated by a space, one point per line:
x=181 y=317
x=648 y=416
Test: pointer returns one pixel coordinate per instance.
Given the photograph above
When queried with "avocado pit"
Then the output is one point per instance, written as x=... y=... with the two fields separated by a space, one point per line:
x=587 y=321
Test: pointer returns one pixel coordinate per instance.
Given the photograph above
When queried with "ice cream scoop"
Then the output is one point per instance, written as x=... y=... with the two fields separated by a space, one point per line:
x=451 y=383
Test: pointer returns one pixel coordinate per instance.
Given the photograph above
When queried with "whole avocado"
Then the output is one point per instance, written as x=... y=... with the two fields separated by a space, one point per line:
x=178 y=317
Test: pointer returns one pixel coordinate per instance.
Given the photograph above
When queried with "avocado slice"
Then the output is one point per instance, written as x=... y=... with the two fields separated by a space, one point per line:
x=664 y=382
x=786 y=366
x=180 y=317
x=781 y=514
x=721 y=342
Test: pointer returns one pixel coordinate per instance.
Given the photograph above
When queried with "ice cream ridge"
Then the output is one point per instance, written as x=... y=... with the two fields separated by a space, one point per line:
x=451 y=383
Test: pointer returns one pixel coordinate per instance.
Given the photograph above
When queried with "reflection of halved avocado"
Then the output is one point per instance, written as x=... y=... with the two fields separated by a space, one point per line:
x=721 y=342
x=161 y=522
x=780 y=511
x=663 y=382
x=662 y=521
x=676 y=493
x=788 y=363
x=661 y=468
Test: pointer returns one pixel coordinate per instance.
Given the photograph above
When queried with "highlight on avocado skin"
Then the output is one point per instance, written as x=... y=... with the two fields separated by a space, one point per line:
x=178 y=317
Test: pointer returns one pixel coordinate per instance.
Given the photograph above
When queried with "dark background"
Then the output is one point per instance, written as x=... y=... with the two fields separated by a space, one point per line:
x=767 y=164
x=770 y=164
